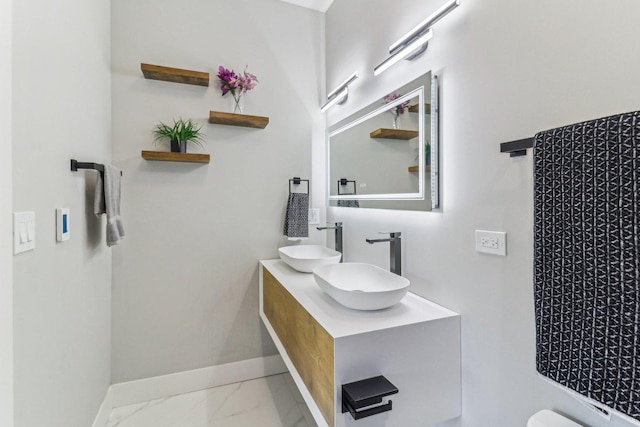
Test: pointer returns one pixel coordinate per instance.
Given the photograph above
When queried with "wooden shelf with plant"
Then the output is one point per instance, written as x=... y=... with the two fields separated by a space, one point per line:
x=168 y=156
x=178 y=135
x=427 y=156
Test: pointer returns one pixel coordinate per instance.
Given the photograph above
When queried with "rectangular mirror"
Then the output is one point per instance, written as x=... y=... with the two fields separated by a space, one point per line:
x=385 y=156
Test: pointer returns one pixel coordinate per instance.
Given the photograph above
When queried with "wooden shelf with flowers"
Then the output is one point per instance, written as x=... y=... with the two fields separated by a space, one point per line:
x=234 y=119
x=396 y=110
x=237 y=84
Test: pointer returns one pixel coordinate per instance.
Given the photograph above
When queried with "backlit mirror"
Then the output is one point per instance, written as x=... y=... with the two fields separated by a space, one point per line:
x=385 y=156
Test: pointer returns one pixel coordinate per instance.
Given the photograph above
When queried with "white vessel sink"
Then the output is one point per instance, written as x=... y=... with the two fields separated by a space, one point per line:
x=305 y=258
x=361 y=286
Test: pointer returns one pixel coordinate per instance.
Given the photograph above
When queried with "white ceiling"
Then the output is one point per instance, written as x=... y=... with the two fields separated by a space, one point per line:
x=321 y=5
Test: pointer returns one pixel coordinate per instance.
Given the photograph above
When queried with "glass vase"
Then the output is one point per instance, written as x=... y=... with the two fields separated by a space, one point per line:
x=238 y=101
x=395 y=123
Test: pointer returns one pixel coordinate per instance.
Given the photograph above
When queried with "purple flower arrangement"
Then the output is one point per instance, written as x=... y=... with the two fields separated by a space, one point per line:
x=235 y=83
x=398 y=109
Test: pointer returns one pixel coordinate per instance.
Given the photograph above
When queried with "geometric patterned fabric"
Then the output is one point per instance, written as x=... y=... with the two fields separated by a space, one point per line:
x=587 y=259
x=296 y=219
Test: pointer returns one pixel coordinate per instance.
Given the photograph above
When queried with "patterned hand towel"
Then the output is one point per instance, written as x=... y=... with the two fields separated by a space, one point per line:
x=348 y=203
x=296 y=220
x=107 y=200
x=587 y=259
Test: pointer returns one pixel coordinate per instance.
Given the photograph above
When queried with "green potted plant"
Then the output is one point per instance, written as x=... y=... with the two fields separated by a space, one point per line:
x=427 y=153
x=179 y=134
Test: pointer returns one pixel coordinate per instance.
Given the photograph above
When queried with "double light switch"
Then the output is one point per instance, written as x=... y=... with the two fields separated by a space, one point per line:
x=24 y=231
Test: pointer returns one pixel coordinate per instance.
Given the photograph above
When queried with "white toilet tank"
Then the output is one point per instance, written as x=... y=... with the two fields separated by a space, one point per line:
x=547 y=418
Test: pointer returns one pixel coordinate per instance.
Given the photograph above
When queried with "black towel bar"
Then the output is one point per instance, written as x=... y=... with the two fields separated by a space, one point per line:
x=75 y=165
x=342 y=182
x=517 y=148
x=297 y=181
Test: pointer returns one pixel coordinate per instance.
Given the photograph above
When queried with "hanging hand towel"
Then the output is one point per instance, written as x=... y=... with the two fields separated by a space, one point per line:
x=98 y=197
x=348 y=203
x=107 y=200
x=587 y=259
x=296 y=220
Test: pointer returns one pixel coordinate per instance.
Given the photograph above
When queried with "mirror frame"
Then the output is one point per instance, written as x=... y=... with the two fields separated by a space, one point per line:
x=420 y=195
x=435 y=143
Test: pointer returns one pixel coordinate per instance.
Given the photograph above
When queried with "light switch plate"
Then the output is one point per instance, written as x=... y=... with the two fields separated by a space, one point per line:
x=491 y=242
x=62 y=224
x=24 y=232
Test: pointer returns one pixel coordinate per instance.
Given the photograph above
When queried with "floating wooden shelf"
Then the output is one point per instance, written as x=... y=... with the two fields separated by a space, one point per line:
x=414 y=108
x=176 y=75
x=232 y=119
x=401 y=134
x=168 y=156
x=416 y=168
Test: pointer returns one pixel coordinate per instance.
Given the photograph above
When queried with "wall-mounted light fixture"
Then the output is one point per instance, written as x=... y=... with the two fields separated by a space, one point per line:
x=415 y=42
x=340 y=94
x=410 y=51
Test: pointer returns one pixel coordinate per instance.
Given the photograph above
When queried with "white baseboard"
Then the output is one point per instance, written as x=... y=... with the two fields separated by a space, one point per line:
x=131 y=392
x=102 y=417
x=162 y=386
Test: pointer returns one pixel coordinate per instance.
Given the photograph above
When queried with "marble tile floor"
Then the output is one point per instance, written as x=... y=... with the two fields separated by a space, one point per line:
x=264 y=402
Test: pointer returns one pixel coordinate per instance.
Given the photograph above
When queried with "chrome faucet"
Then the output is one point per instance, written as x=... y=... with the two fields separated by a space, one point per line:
x=395 y=251
x=338 y=236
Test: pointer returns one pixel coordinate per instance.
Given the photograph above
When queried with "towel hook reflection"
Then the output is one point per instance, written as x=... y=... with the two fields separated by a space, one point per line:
x=342 y=182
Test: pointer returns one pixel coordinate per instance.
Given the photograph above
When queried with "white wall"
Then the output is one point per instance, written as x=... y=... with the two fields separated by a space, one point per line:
x=61 y=110
x=507 y=69
x=186 y=278
x=6 y=261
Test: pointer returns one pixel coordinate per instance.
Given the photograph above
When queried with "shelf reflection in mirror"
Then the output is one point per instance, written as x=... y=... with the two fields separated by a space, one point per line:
x=385 y=155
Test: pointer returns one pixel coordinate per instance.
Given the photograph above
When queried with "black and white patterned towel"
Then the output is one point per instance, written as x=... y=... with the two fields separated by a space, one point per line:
x=296 y=220
x=587 y=259
x=350 y=203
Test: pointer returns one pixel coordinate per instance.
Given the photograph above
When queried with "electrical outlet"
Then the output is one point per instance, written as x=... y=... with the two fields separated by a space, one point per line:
x=491 y=242
x=314 y=216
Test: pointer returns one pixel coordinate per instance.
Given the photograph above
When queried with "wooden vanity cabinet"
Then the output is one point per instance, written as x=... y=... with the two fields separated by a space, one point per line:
x=415 y=345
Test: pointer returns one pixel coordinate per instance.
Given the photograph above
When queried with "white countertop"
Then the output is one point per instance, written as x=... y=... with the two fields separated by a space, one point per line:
x=340 y=321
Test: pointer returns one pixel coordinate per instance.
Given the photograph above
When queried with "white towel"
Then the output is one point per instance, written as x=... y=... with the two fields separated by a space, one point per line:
x=107 y=200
